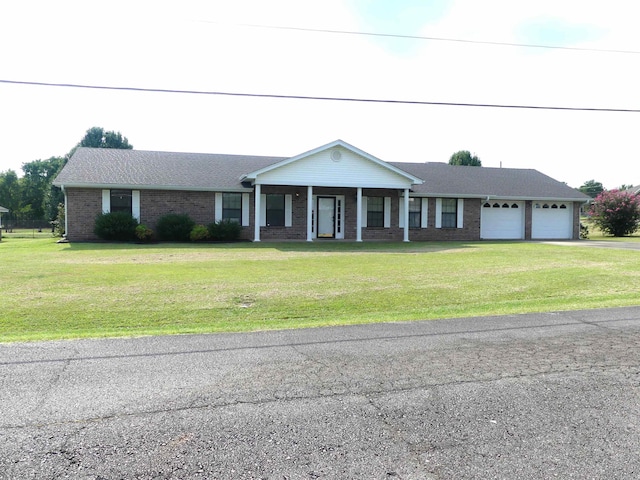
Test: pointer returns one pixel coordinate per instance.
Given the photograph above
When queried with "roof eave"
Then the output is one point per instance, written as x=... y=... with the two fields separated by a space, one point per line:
x=153 y=187
x=502 y=197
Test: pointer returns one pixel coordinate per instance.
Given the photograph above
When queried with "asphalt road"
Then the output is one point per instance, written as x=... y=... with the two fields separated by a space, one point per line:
x=531 y=396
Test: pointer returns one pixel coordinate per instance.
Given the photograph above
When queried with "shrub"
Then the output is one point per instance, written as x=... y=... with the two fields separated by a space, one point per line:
x=225 y=231
x=59 y=222
x=199 y=233
x=119 y=226
x=616 y=213
x=144 y=233
x=174 y=227
x=584 y=231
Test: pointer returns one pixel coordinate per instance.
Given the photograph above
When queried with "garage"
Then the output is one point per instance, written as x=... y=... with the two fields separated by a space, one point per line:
x=502 y=220
x=552 y=220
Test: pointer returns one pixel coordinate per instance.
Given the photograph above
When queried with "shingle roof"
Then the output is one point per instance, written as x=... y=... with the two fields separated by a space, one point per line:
x=101 y=167
x=451 y=180
x=192 y=171
x=3 y=210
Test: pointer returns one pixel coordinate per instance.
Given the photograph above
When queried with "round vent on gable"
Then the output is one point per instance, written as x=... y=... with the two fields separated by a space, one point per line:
x=336 y=155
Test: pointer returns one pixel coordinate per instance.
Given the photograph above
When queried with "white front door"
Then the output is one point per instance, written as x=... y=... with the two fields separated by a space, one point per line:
x=326 y=217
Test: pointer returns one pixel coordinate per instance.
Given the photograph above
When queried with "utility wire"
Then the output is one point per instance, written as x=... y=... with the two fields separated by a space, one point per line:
x=419 y=37
x=311 y=97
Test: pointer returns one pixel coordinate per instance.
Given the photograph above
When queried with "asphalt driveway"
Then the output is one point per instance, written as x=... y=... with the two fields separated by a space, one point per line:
x=597 y=244
x=529 y=396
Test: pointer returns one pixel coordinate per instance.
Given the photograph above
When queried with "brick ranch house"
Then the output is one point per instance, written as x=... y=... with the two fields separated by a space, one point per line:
x=335 y=191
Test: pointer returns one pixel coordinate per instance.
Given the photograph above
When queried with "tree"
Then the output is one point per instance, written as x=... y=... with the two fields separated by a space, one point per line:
x=616 y=213
x=33 y=197
x=96 y=137
x=591 y=188
x=464 y=157
x=36 y=188
x=10 y=195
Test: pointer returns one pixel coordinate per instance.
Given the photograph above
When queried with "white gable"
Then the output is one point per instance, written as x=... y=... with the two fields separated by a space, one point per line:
x=335 y=165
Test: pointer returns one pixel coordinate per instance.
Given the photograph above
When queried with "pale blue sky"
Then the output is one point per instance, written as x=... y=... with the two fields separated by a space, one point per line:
x=206 y=45
x=557 y=32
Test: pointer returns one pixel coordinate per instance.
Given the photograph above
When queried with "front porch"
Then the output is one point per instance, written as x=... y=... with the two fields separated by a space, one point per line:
x=324 y=213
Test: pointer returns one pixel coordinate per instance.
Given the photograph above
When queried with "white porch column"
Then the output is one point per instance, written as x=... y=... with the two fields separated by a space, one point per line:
x=256 y=213
x=406 y=214
x=309 y=213
x=359 y=215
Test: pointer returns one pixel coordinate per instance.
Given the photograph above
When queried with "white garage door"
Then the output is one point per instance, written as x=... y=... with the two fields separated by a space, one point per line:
x=502 y=220
x=552 y=220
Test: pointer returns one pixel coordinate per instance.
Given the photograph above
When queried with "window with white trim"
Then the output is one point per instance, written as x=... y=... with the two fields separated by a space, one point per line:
x=232 y=207
x=449 y=213
x=375 y=211
x=415 y=212
x=121 y=201
x=275 y=210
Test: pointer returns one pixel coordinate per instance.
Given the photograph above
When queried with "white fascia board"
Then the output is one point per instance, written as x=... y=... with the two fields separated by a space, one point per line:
x=485 y=196
x=336 y=185
x=449 y=195
x=152 y=187
x=539 y=199
x=336 y=143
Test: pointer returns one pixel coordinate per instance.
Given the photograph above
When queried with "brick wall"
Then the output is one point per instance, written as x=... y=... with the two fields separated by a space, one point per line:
x=83 y=205
x=528 y=215
x=576 y=220
x=157 y=203
x=298 y=230
x=470 y=221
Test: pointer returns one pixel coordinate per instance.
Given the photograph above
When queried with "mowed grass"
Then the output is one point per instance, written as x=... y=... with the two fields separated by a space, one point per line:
x=53 y=291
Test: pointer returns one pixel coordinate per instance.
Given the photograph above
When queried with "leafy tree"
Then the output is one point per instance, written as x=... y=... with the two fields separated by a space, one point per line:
x=32 y=197
x=36 y=188
x=616 y=213
x=591 y=188
x=10 y=195
x=464 y=157
x=96 y=137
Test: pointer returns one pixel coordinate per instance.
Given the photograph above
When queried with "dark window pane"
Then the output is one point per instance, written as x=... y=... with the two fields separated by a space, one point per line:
x=232 y=207
x=275 y=210
x=450 y=212
x=121 y=201
x=415 y=212
x=375 y=212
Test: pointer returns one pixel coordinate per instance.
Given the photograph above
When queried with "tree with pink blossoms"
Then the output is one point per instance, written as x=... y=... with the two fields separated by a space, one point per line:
x=616 y=212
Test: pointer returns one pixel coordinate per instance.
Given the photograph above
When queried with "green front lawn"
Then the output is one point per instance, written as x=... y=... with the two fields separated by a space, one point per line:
x=51 y=290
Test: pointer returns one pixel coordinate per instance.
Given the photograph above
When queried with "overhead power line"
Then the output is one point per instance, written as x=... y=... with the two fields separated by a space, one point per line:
x=426 y=38
x=320 y=98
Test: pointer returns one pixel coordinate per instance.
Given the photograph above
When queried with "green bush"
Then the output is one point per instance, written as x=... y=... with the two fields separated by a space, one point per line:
x=584 y=231
x=59 y=223
x=144 y=233
x=616 y=212
x=175 y=227
x=225 y=231
x=119 y=226
x=199 y=233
